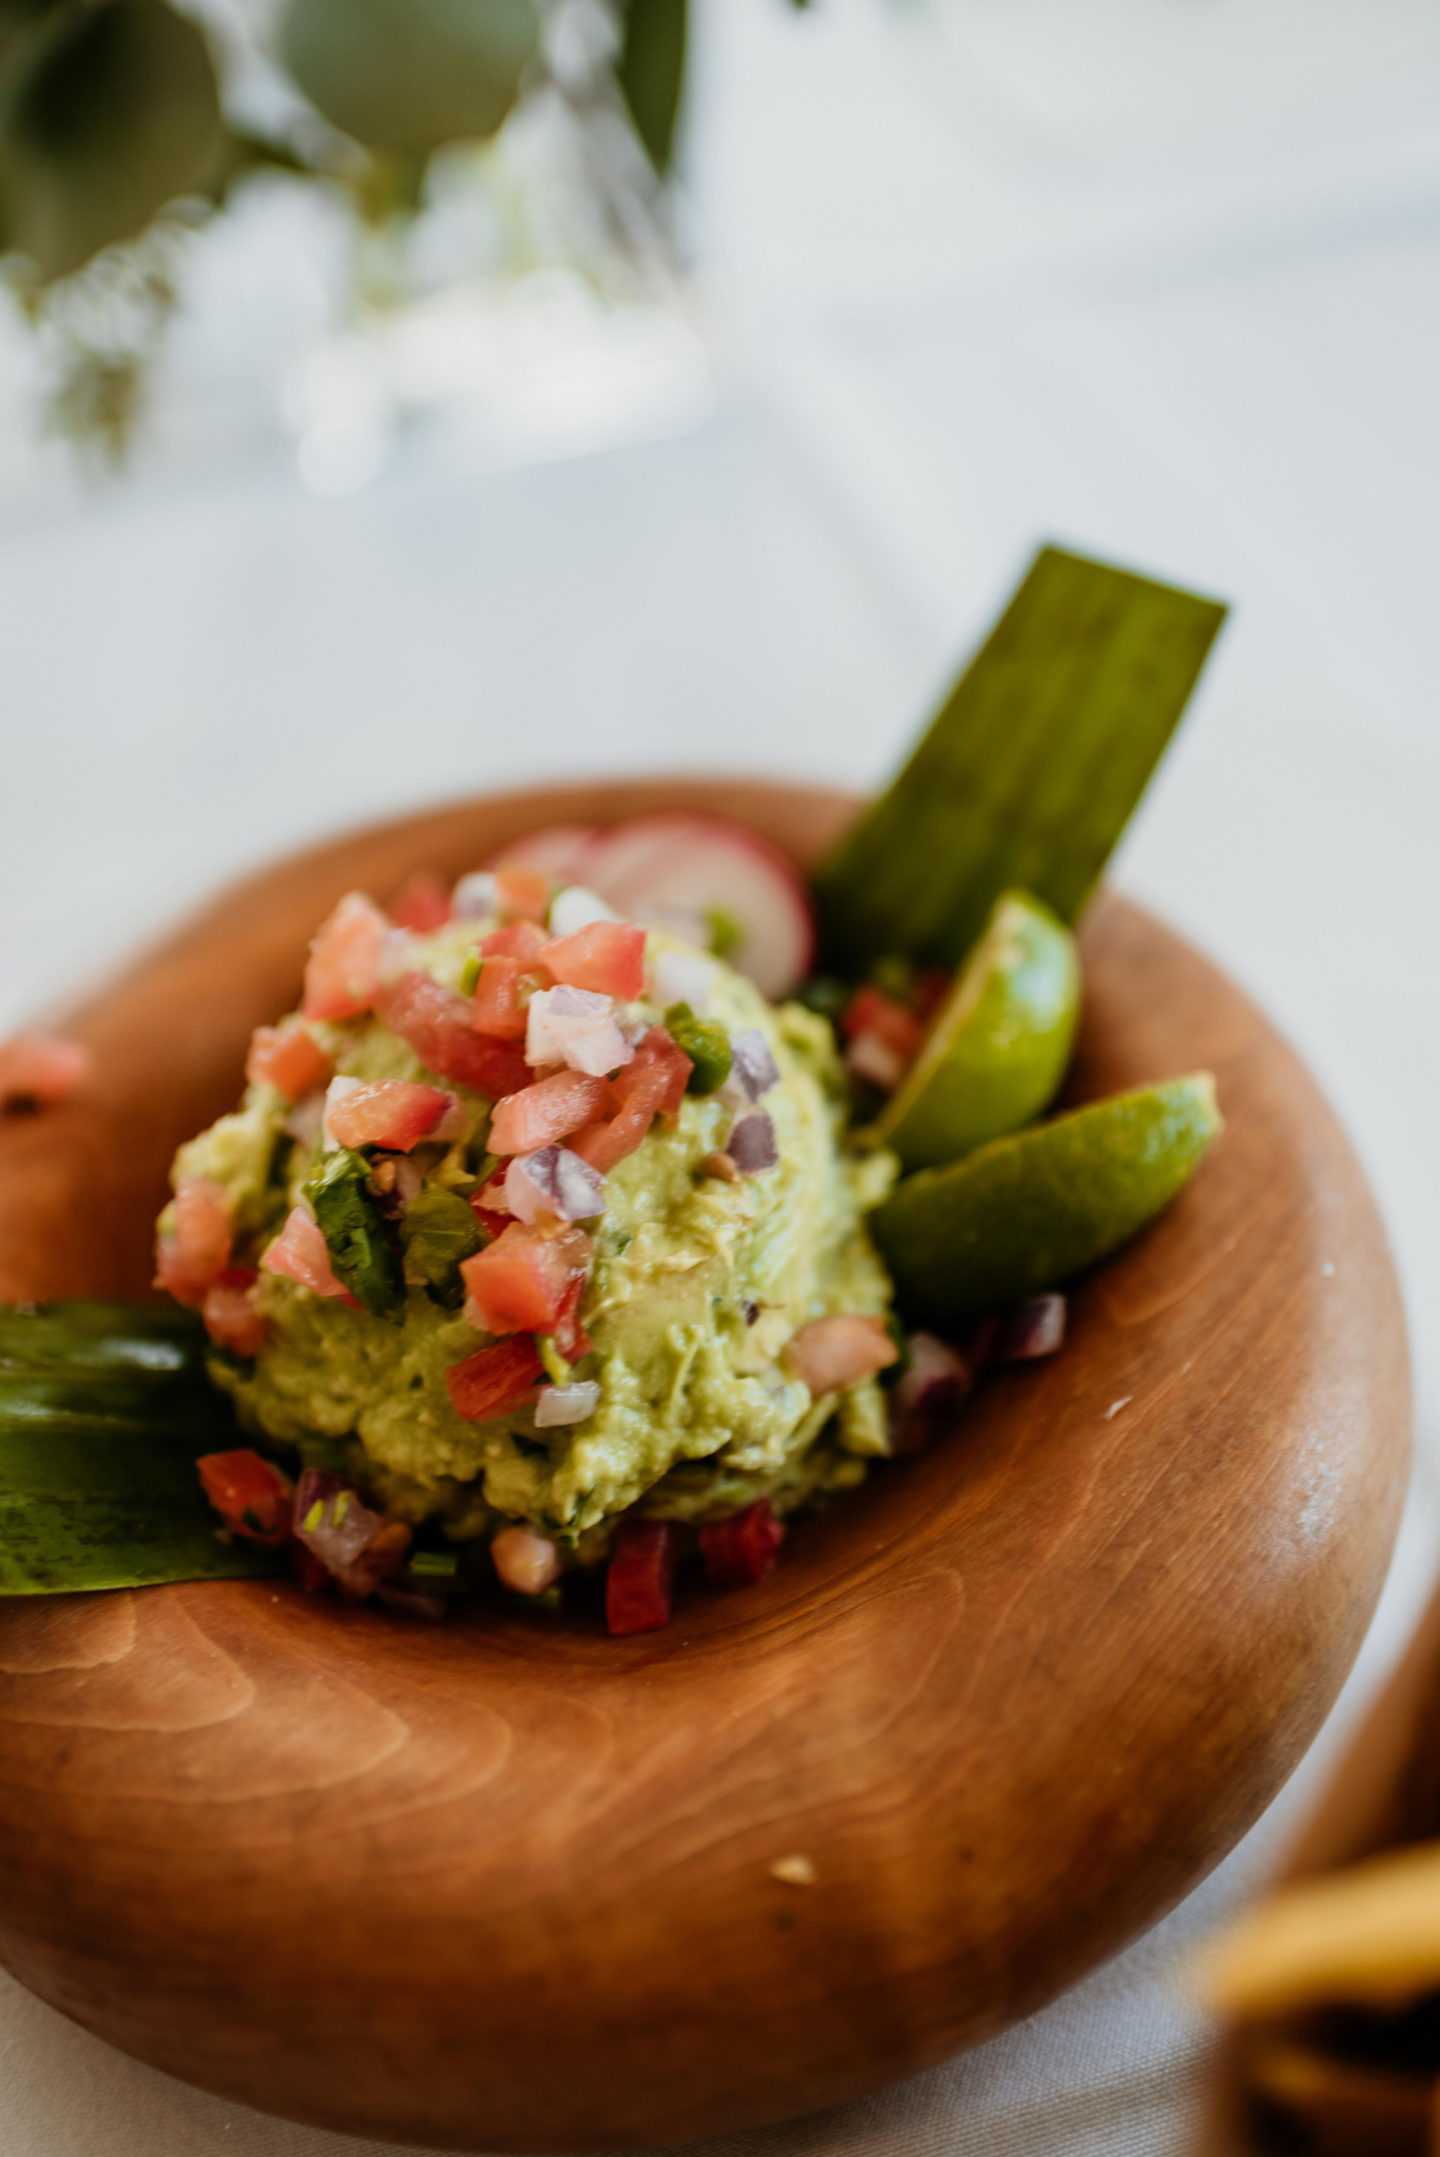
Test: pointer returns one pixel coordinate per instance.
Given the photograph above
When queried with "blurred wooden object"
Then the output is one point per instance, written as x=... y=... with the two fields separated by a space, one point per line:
x=1386 y=1792
x=512 y=1884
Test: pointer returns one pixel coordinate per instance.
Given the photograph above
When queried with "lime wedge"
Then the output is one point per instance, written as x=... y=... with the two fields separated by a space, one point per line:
x=1027 y=1212
x=999 y=1046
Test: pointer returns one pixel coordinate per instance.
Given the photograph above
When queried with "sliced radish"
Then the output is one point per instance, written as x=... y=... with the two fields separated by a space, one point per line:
x=697 y=865
x=561 y=850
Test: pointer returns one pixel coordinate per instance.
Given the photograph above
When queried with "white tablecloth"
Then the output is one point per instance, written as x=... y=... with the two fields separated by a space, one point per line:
x=970 y=280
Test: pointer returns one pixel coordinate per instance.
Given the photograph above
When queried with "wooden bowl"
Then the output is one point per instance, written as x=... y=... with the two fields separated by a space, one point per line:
x=508 y=1883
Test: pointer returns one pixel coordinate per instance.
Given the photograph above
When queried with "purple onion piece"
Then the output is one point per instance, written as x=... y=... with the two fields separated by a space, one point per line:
x=1033 y=1329
x=753 y=1070
x=751 y=1144
x=553 y=1181
x=937 y=1381
x=343 y=1529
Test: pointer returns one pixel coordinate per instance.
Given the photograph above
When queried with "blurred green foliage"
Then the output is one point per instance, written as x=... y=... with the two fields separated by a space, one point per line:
x=111 y=111
x=107 y=113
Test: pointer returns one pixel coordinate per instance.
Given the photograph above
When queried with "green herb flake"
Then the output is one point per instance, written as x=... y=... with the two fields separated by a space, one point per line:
x=356 y=1233
x=438 y=1232
x=342 y=1509
x=314 y=1517
x=470 y=974
x=706 y=1045
x=557 y=1370
x=434 y=1564
x=726 y=931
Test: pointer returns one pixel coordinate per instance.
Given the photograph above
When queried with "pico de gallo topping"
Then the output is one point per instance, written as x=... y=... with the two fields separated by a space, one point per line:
x=540 y=1238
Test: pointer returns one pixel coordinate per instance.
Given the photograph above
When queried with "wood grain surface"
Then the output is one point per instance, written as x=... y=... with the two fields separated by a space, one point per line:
x=507 y=1883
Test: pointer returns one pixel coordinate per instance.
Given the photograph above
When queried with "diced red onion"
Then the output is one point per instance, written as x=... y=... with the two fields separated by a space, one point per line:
x=744 y=1548
x=575 y=908
x=753 y=1069
x=409 y=1176
x=354 y=1544
x=452 y=1122
x=575 y=1027
x=304 y=1120
x=1033 y=1329
x=335 y=1093
x=683 y=977
x=751 y=1144
x=475 y=897
x=937 y=1381
x=875 y=1061
x=553 y=1181
x=556 y=1405
x=527 y=1562
x=397 y=956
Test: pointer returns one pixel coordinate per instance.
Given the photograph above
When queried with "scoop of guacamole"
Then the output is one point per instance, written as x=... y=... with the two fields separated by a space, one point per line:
x=702 y=1274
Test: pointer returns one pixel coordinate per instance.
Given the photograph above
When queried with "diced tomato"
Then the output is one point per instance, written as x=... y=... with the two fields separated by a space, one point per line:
x=299 y=1253
x=232 y=1317
x=491 y=1219
x=44 y=1068
x=436 y=1024
x=639 y=1576
x=571 y=1338
x=829 y=1353
x=251 y=1495
x=193 y=1249
x=422 y=903
x=652 y=1084
x=523 y=894
x=342 y=973
x=518 y=1283
x=517 y=940
x=744 y=1548
x=493 y=1379
x=289 y=1058
x=549 y=1110
x=394 y=1113
x=501 y=1004
x=871 y=1011
x=605 y=955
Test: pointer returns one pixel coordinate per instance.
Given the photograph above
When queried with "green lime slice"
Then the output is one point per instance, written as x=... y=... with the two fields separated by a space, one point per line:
x=1000 y=1043
x=1027 y=1212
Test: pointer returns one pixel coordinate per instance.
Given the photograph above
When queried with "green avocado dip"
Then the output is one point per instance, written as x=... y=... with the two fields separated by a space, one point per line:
x=681 y=1369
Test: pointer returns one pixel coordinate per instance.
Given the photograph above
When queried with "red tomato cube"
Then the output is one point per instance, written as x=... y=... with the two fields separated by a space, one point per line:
x=250 y=1494
x=549 y=1110
x=342 y=973
x=744 y=1548
x=519 y=1283
x=394 y=1113
x=605 y=955
x=494 y=1379
x=639 y=1576
x=436 y=1024
x=288 y=1058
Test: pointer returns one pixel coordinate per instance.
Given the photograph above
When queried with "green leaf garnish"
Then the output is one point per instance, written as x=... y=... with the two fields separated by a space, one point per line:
x=470 y=974
x=437 y=1232
x=104 y=1410
x=355 y=1230
x=651 y=73
x=1030 y=771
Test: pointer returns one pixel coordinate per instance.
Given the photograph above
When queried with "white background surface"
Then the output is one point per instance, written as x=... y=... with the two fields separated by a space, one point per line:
x=1160 y=278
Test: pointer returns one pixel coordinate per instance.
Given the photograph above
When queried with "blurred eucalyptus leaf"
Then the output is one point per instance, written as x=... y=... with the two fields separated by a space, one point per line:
x=405 y=76
x=651 y=73
x=108 y=112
